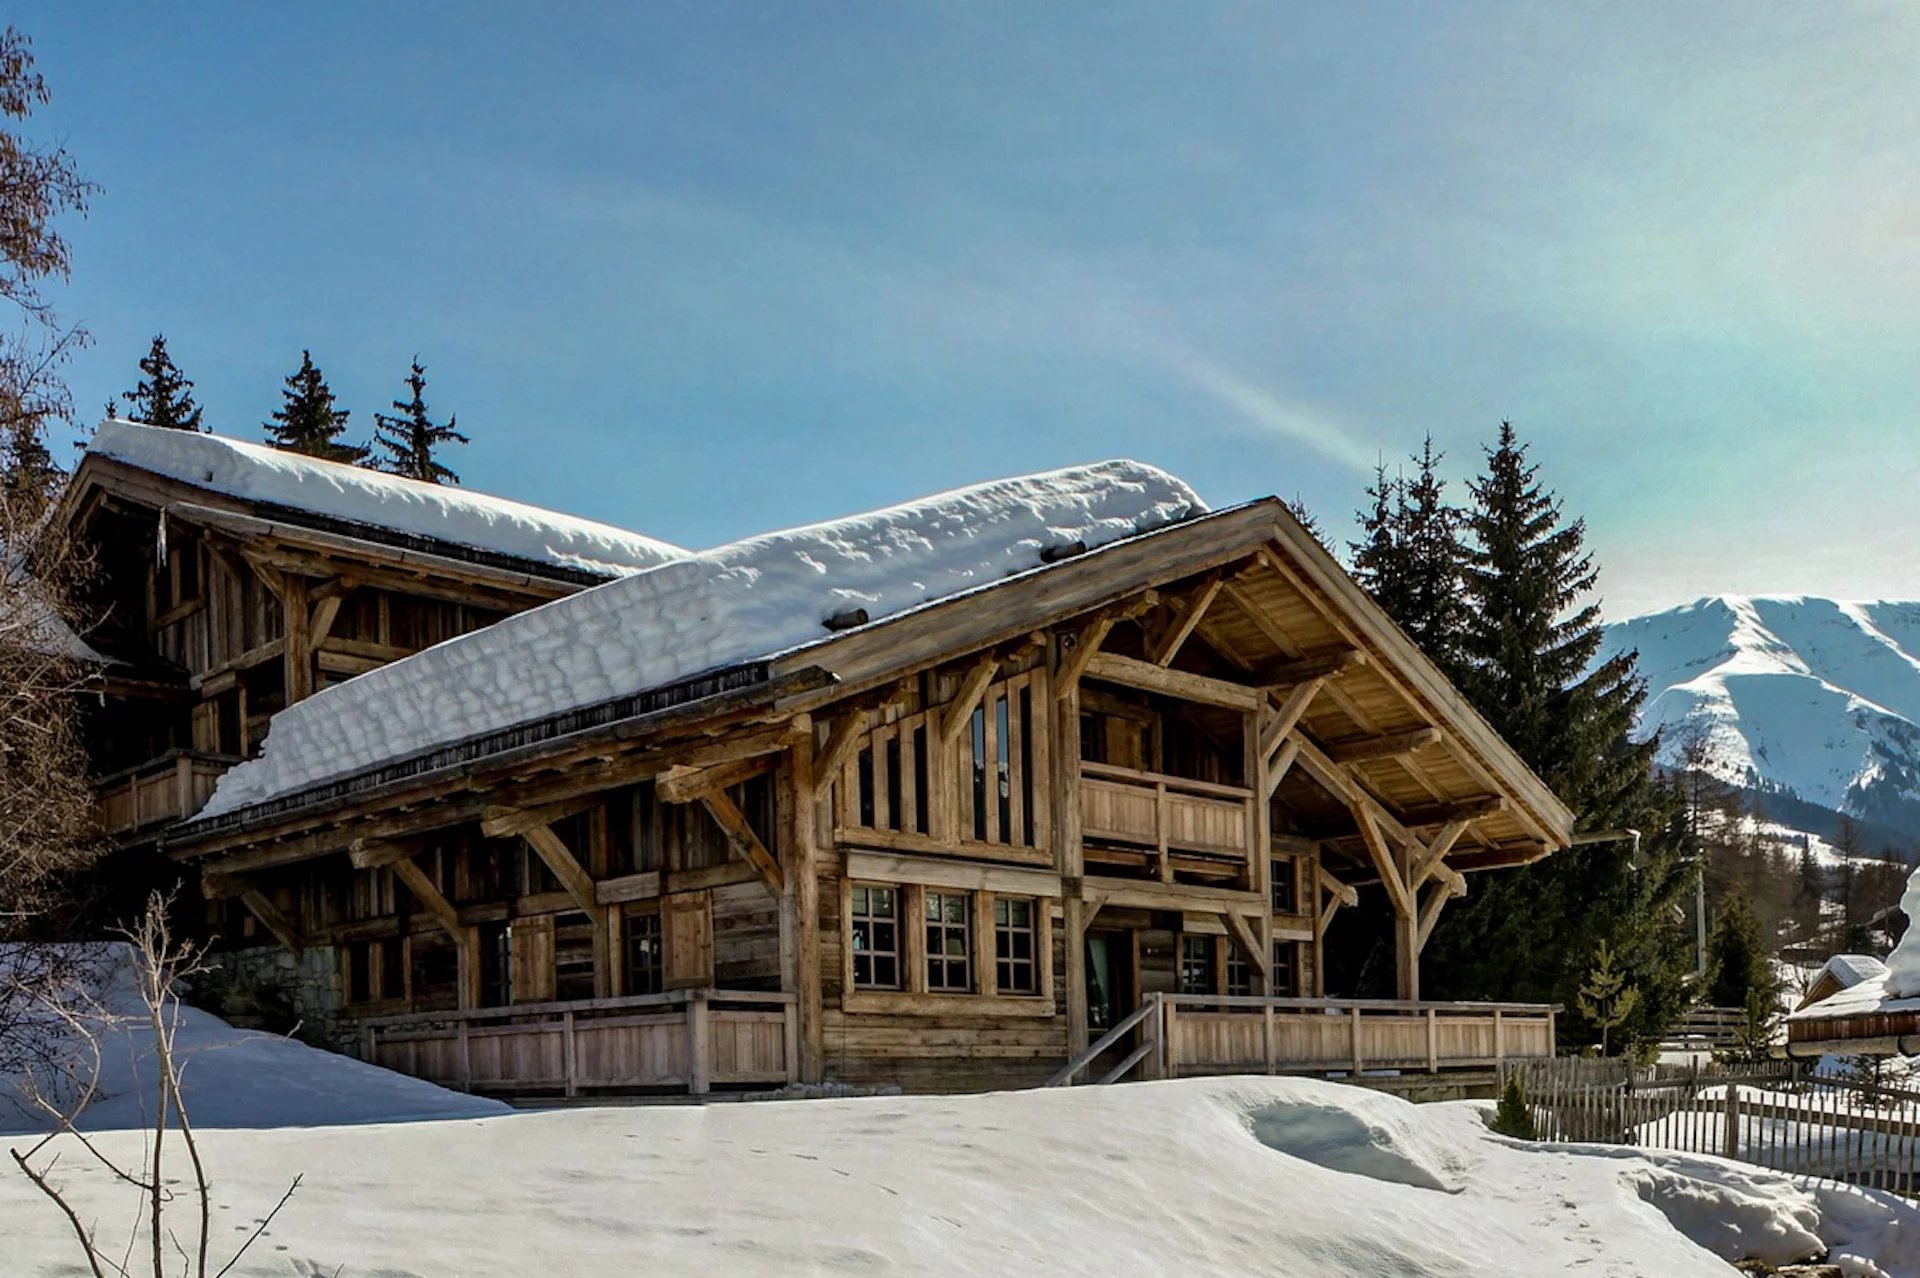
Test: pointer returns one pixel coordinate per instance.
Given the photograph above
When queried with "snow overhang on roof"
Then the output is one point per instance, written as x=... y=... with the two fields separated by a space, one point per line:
x=364 y=498
x=746 y=602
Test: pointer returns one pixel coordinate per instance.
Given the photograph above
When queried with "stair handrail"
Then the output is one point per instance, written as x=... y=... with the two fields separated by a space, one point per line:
x=1073 y=1067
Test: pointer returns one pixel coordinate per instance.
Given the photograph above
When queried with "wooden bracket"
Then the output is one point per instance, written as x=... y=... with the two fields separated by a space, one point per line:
x=370 y=854
x=1287 y=715
x=1077 y=656
x=428 y=895
x=1383 y=861
x=1342 y=893
x=1434 y=854
x=684 y=784
x=1281 y=764
x=727 y=815
x=1193 y=610
x=1243 y=936
x=1437 y=897
x=326 y=599
x=505 y=822
x=842 y=741
x=560 y=859
x=956 y=714
x=220 y=887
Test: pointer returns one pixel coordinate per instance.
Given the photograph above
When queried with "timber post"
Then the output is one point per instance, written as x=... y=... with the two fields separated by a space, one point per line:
x=803 y=894
x=1065 y=711
x=699 y=1045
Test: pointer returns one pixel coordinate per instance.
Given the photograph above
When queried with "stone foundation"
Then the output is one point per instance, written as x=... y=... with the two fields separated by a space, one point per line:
x=268 y=987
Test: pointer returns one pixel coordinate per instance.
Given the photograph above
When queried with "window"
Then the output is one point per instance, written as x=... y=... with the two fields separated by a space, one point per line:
x=646 y=973
x=874 y=931
x=1196 y=965
x=1283 y=886
x=1015 y=969
x=496 y=965
x=949 y=941
x=573 y=974
x=1239 y=972
x=1286 y=972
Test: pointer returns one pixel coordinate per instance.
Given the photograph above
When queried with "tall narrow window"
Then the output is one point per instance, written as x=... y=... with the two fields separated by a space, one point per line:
x=1014 y=946
x=646 y=971
x=1286 y=972
x=496 y=964
x=949 y=941
x=874 y=932
x=980 y=800
x=1003 y=783
x=1196 y=965
x=1239 y=972
x=1282 y=885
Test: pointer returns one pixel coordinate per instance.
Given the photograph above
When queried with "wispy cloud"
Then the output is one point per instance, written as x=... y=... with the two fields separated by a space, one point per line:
x=1269 y=412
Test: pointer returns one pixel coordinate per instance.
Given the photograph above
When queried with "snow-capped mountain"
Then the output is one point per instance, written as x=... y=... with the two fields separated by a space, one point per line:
x=1818 y=699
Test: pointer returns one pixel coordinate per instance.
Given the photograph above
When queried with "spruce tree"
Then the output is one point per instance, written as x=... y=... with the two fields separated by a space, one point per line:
x=1429 y=534
x=1380 y=556
x=308 y=422
x=409 y=440
x=165 y=396
x=1737 y=956
x=1298 y=509
x=1528 y=638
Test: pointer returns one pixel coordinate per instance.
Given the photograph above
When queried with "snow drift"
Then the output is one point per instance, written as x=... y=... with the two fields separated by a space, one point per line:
x=749 y=600
x=260 y=473
x=228 y=1077
x=1220 y=1176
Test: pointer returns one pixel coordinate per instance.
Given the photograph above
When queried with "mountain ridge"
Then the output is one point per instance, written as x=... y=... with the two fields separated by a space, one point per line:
x=1801 y=696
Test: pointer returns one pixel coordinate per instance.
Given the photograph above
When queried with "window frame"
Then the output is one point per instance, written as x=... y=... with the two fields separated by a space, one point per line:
x=899 y=954
x=944 y=923
x=1007 y=964
x=913 y=996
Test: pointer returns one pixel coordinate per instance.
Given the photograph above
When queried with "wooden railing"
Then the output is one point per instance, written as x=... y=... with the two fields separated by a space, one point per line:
x=169 y=788
x=1165 y=816
x=687 y=1040
x=1239 y=1034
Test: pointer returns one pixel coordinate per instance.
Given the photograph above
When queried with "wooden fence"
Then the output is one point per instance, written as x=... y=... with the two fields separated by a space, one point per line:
x=684 y=1040
x=1778 y=1115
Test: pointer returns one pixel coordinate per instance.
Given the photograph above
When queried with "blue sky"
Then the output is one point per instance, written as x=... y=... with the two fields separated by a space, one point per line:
x=707 y=269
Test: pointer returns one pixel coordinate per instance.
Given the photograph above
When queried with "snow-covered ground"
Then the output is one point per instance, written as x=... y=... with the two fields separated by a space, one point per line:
x=1220 y=1176
x=1228 y=1176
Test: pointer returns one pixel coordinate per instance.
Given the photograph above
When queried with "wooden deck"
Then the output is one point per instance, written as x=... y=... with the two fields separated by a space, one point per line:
x=684 y=1040
x=1172 y=1035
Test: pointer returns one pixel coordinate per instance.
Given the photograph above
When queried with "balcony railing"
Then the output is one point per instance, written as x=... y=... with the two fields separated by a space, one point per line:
x=1176 y=822
x=169 y=788
x=1175 y=1034
x=683 y=1040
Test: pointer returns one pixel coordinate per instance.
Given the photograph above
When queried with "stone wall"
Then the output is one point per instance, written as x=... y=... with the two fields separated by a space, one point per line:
x=268 y=987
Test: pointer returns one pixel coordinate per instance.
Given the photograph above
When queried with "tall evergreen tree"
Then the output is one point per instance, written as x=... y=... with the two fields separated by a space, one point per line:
x=1737 y=964
x=308 y=422
x=1380 y=556
x=410 y=439
x=1432 y=559
x=1298 y=509
x=165 y=396
x=1528 y=644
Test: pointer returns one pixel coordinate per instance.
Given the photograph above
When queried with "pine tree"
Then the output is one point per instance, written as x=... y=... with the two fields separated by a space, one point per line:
x=1432 y=556
x=1511 y=1117
x=1527 y=641
x=1606 y=998
x=410 y=439
x=308 y=422
x=1736 y=956
x=1380 y=557
x=1298 y=509
x=165 y=397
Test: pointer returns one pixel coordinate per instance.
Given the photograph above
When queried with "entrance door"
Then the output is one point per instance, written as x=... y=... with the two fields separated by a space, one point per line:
x=1110 y=980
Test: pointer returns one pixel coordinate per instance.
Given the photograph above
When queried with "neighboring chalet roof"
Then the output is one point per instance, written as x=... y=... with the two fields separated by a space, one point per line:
x=1848 y=970
x=1884 y=1008
x=799 y=620
x=366 y=502
x=751 y=600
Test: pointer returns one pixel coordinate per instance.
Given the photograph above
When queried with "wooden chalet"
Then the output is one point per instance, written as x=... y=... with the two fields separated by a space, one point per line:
x=1088 y=816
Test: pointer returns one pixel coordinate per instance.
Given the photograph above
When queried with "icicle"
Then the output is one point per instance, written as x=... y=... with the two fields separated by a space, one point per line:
x=160 y=542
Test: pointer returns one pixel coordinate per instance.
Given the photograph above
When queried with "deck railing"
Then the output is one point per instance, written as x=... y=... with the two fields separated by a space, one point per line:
x=1250 y=1034
x=1166 y=817
x=169 y=788
x=687 y=1040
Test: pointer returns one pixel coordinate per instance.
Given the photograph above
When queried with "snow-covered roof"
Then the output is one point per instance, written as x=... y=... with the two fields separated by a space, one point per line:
x=1848 y=970
x=1896 y=988
x=747 y=601
x=258 y=473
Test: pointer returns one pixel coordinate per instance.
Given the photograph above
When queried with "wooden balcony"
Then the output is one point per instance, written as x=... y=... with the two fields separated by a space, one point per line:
x=1183 y=1034
x=169 y=788
x=1169 y=823
x=684 y=1040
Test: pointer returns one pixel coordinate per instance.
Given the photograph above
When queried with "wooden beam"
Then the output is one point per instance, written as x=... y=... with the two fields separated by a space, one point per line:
x=325 y=611
x=801 y=835
x=1249 y=943
x=1086 y=646
x=1387 y=745
x=848 y=730
x=1195 y=609
x=1383 y=862
x=1436 y=851
x=428 y=895
x=727 y=815
x=955 y=715
x=272 y=919
x=1437 y=897
x=685 y=784
x=372 y=854
x=1441 y=813
x=296 y=655
x=1319 y=665
x=1344 y=893
x=1173 y=683
x=565 y=866
x=1280 y=765
x=505 y=822
x=1287 y=715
